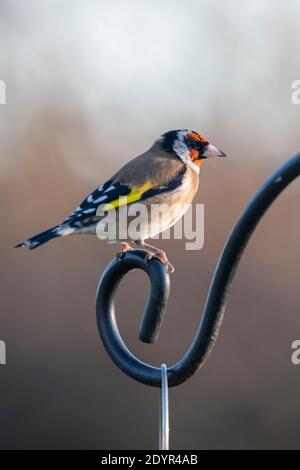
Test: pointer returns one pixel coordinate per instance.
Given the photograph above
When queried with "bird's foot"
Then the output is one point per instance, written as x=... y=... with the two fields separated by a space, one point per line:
x=161 y=256
x=125 y=247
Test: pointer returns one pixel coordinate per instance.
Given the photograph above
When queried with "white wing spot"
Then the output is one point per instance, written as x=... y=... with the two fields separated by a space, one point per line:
x=89 y=211
x=63 y=231
x=111 y=188
x=100 y=199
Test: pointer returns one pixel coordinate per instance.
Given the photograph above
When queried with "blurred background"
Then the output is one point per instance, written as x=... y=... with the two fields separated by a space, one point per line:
x=89 y=85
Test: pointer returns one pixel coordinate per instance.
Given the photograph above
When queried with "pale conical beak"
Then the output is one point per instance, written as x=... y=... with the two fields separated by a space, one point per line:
x=212 y=151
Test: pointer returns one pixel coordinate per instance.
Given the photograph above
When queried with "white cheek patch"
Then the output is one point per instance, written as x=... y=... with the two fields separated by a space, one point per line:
x=181 y=149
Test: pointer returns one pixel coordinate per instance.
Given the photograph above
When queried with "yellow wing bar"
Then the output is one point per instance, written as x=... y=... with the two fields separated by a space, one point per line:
x=134 y=195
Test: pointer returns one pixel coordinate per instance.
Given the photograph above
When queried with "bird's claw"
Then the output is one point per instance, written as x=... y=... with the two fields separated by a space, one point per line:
x=125 y=249
x=163 y=259
x=157 y=254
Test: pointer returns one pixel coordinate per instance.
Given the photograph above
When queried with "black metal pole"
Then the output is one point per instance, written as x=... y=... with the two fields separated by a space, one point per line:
x=215 y=306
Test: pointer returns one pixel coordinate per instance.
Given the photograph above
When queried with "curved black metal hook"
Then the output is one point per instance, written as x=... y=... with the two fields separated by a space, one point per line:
x=215 y=305
x=157 y=297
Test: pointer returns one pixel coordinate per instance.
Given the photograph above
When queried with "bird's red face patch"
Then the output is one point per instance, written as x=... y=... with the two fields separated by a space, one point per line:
x=196 y=144
x=194 y=156
x=197 y=137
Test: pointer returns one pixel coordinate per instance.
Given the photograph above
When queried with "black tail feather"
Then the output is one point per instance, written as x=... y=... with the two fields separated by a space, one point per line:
x=40 y=239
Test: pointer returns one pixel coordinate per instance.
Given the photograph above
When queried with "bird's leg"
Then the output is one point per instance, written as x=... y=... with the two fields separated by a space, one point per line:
x=125 y=247
x=158 y=253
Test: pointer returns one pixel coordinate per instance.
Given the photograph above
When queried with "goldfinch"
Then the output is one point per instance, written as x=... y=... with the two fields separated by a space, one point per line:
x=165 y=175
